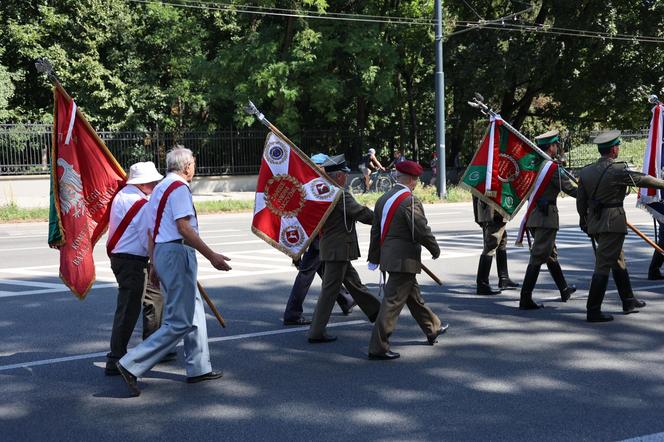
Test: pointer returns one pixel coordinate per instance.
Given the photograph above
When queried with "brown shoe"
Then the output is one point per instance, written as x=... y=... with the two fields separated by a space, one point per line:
x=130 y=379
x=205 y=377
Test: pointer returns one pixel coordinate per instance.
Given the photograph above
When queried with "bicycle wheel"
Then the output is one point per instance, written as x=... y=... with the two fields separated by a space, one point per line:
x=357 y=186
x=383 y=184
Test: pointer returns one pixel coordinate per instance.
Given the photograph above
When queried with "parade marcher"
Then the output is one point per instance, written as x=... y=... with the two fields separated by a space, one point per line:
x=654 y=271
x=308 y=266
x=398 y=233
x=602 y=189
x=542 y=221
x=495 y=243
x=338 y=247
x=127 y=248
x=175 y=233
x=368 y=165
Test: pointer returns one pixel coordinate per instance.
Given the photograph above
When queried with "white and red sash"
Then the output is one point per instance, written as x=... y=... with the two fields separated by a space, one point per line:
x=126 y=220
x=162 y=205
x=543 y=179
x=653 y=155
x=389 y=209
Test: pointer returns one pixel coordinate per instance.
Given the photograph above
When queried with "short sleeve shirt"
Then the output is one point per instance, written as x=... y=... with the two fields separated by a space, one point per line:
x=178 y=205
x=134 y=240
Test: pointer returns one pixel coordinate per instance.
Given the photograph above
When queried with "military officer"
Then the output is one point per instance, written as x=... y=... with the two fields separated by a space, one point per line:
x=495 y=243
x=398 y=233
x=543 y=224
x=338 y=247
x=308 y=266
x=602 y=187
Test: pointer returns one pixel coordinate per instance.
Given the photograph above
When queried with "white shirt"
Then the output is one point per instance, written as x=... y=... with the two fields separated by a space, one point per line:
x=179 y=205
x=134 y=240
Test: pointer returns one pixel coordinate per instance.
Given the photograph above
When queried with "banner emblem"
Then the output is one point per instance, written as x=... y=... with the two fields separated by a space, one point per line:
x=292 y=236
x=276 y=152
x=71 y=190
x=508 y=168
x=284 y=195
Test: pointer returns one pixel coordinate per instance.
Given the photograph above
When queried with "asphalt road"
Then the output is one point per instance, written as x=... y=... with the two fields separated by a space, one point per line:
x=498 y=374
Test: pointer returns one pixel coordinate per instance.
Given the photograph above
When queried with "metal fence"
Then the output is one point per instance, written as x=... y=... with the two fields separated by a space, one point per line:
x=580 y=150
x=25 y=149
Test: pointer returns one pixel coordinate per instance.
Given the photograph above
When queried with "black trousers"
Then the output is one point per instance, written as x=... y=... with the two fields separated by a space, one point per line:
x=131 y=275
x=310 y=264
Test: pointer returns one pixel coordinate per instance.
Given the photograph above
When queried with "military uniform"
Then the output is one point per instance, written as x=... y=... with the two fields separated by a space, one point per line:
x=543 y=224
x=654 y=272
x=400 y=256
x=338 y=247
x=602 y=189
x=495 y=243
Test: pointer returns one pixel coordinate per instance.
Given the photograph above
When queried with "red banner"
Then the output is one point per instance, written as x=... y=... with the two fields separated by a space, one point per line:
x=293 y=198
x=84 y=179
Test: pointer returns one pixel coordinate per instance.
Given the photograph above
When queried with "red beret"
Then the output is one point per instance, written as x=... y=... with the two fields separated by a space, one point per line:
x=410 y=168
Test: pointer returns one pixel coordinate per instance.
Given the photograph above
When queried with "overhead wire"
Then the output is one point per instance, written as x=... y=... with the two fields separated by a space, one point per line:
x=499 y=24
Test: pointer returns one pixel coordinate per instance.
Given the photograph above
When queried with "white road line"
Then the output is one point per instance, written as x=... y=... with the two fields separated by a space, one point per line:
x=63 y=289
x=29 y=283
x=655 y=437
x=280 y=331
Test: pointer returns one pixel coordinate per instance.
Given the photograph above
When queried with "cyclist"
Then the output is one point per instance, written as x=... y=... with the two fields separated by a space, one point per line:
x=368 y=165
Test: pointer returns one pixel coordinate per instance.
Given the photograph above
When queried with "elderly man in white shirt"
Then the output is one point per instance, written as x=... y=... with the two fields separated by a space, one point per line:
x=175 y=233
x=127 y=247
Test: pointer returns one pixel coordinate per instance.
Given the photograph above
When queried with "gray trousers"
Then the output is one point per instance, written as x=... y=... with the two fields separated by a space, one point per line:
x=184 y=317
x=130 y=273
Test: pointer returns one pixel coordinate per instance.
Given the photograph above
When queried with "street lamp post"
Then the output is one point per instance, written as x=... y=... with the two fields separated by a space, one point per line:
x=440 y=101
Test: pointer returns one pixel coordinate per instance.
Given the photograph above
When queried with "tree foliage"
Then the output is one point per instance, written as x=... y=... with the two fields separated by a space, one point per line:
x=140 y=66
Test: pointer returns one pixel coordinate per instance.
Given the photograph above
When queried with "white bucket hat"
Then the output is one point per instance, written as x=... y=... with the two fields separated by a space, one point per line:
x=143 y=173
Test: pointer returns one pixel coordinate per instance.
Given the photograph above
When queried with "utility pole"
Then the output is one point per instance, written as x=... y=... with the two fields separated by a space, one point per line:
x=440 y=101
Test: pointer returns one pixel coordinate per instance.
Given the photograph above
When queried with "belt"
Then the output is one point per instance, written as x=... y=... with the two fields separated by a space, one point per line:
x=130 y=256
x=611 y=205
x=177 y=241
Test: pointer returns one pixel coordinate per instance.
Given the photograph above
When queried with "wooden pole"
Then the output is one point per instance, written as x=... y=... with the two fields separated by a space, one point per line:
x=210 y=304
x=645 y=238
x=431 y=274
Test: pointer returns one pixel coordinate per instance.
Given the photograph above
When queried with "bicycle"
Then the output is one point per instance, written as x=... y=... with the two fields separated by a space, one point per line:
x=382 y=182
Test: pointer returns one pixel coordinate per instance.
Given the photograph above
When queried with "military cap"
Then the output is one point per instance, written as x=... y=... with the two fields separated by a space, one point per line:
x=409 y=168
x=319 y=158
x=550 y=137
x=607 y=139
x=335 y=163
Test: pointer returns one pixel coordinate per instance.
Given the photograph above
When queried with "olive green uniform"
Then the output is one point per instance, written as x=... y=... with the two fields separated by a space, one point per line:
x=338 y=247
x=602 y=190
x=400 y=256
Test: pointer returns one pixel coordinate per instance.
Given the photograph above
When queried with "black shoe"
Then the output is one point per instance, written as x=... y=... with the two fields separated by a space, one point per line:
x=373 y=317
x=655 y=275
x=169 y=357
x=388 y=355
x=507 y=284
x=567 y=292
x=483 y=269
x=486 y=290
x=432 y=339
x=631 y=305
x=530 y=305
x=205 y=377
x=598 y=317
x=111 y=369
x=130 y=379
x=348 y=309
x=323 y=339
x=299 y=321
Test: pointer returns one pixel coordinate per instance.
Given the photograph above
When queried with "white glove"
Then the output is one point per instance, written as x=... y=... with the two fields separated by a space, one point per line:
x=371 y=266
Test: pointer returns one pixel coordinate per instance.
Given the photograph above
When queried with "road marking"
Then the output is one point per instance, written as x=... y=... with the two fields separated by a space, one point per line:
x=655 y=437
x=280 y=331
x=30 y=283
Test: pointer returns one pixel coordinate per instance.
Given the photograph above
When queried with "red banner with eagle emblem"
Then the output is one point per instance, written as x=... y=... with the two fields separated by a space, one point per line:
x=84 y=179
x=503 y=170
x=293 y=197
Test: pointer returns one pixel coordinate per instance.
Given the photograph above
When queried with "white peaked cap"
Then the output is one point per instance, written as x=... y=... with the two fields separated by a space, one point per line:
x=143 y=173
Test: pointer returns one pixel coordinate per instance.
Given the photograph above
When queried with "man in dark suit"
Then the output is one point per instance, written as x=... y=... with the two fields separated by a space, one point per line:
x=338 y=247
x=398 y=233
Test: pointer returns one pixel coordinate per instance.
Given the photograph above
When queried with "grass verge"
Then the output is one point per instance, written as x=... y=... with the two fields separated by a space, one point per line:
x=427 y=194
x=13 y=213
